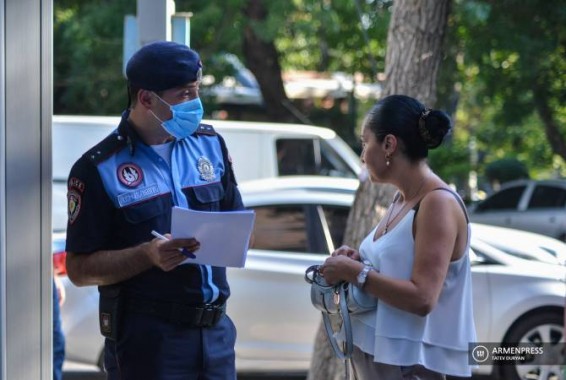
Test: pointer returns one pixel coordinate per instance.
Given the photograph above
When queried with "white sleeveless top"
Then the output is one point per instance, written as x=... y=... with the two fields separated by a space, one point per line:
x=438 y=341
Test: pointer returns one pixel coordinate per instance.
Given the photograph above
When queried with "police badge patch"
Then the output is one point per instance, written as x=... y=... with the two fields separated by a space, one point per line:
x=74 y=198
x=74 y=205
x=130 y=174
x=205 y=169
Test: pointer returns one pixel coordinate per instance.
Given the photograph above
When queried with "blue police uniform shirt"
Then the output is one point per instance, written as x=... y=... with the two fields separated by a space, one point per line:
x=121 y=190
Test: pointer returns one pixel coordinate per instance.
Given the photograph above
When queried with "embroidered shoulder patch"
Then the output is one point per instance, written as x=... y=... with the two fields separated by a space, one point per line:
x=75 y=188
x=73 y=205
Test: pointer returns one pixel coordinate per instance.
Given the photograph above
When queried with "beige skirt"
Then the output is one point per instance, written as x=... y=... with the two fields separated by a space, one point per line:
x=364 y=368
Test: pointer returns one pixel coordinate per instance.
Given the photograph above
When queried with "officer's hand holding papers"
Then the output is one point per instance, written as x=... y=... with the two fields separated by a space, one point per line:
x=224 y=236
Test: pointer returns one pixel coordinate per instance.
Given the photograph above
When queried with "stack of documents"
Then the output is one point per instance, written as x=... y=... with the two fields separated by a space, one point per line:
x=224 y=236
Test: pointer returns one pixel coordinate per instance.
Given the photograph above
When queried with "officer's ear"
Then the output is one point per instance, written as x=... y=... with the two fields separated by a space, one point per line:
x=146 y=98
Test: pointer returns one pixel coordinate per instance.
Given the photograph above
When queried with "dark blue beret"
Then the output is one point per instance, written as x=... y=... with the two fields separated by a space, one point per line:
x=163 y=65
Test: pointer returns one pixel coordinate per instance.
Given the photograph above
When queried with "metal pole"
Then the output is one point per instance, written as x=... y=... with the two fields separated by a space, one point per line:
x=154 y=20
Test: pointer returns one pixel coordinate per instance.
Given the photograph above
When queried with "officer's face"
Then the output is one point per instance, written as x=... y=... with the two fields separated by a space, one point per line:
x=181 y=94
x=174 y=96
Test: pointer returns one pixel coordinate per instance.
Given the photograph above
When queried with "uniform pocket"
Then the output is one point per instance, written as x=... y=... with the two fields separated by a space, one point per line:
x=205 y=197
x=144 y=211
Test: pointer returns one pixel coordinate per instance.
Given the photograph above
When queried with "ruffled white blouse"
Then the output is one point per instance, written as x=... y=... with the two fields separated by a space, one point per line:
x=438 y=341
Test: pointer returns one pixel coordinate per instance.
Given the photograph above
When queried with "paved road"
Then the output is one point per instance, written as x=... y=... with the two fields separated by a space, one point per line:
x=73 y=371
x=82 y=375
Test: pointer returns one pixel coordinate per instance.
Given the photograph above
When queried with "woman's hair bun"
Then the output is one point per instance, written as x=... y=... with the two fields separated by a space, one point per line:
x=433 y=126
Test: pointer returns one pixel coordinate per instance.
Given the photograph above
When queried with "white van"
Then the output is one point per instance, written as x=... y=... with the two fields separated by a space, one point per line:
x=258 y=150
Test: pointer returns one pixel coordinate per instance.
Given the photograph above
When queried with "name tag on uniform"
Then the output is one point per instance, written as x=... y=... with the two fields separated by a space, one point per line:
x=137 y=195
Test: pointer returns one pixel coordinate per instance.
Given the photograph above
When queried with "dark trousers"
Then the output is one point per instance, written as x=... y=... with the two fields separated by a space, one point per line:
x=151 y=348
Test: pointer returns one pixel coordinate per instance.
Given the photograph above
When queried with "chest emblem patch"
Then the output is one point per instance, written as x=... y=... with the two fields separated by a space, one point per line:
x=206 y=169
x=130 y=174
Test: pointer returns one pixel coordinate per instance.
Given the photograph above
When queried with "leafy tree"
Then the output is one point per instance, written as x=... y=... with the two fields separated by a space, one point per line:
x=306 y=35
x=504 y=170
x=500 y=78
x=511 y=60
x=88 y=40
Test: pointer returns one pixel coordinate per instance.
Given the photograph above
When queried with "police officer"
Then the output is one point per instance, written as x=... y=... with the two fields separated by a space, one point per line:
x=161 y=319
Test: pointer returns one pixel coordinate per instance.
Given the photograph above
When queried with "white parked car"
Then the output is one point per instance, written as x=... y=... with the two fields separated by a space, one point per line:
x=258 y=149
x=299 y=220
x=523 y=244
x=535 y=206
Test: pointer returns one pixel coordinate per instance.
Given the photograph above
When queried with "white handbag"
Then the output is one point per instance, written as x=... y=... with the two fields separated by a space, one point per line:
x=341 y=299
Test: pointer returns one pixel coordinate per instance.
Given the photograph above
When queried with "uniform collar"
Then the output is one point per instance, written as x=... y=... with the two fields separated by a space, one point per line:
x=128 y=132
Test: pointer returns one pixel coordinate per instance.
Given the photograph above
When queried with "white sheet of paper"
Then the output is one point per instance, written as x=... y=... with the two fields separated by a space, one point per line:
x=224 y=236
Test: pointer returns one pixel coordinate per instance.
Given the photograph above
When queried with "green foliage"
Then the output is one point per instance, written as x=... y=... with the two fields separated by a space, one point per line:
x=451 y=161
x=327 y=36
x=505 y=170
x=88 y=56
x=501 y=52
x=496 y=53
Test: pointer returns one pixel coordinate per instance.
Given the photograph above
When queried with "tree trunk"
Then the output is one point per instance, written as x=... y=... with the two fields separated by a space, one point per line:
x=262 y=59
x=414 y=53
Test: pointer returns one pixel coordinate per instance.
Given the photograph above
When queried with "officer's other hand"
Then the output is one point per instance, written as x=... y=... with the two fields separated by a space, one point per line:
x=167 y=254
x=347 y=251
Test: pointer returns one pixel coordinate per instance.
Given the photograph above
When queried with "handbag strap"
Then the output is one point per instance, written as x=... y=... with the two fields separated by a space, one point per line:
x=349 y=343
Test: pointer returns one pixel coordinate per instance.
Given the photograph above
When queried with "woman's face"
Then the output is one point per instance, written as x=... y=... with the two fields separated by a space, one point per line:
x=373 y=155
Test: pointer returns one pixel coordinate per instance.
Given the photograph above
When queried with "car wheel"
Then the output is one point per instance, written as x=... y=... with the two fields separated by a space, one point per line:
x=545 y=327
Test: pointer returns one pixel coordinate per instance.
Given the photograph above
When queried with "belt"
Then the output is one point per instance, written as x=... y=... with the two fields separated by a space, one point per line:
x=205 y=315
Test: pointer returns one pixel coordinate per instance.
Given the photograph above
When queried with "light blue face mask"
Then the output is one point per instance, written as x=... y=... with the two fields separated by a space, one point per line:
x=185 y=120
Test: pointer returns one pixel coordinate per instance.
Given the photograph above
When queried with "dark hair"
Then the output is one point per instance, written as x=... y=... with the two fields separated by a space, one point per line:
x=133 y=94
x=419 y=128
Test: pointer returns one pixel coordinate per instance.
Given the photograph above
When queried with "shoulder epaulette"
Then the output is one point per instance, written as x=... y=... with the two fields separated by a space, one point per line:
x=206 y=129
x=104 y=149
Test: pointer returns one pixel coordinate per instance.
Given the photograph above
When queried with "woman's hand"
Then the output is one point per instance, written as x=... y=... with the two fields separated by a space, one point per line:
x=347 y=251
x=341 y=268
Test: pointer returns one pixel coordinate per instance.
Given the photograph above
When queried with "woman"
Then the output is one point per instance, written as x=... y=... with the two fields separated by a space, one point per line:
x=415 y=261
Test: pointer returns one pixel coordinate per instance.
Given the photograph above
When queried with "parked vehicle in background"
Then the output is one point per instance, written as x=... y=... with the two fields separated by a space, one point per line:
x=299 y=220
x=258 y=149
x=523 y=244
x=535 y=206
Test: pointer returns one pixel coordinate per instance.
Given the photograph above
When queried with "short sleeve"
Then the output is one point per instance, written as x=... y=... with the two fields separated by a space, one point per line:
x=89 y=209
x=232 y=197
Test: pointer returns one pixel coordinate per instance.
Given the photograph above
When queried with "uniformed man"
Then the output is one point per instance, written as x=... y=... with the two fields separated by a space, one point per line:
x=161 y=320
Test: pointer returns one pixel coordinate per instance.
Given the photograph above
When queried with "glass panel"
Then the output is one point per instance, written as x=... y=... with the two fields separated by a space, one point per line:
x=312 y=157
x=332 y=164
x=507 y=199
x=280 y=228
x=336 y=217
x=295 y=156
x=545 y=196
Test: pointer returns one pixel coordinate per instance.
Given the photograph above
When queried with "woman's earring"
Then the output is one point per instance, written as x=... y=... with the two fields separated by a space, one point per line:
x=388 y=159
